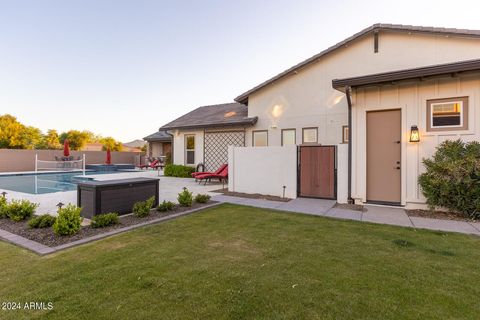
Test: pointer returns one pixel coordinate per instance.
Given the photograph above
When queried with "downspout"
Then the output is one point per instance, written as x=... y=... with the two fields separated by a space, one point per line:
x=349 y=102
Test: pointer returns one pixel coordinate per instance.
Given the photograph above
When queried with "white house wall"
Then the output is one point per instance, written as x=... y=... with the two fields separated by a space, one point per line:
x=411 y=99
x=307 y=99
x=179 y=146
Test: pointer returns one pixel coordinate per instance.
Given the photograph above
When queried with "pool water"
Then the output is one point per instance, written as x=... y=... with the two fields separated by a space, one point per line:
x=45 y=182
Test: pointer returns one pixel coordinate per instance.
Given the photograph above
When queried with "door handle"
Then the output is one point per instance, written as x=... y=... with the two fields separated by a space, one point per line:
x=397 y=142
x=398 y=168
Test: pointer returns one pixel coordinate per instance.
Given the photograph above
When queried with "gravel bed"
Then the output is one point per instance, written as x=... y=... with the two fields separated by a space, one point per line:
x=47 y=237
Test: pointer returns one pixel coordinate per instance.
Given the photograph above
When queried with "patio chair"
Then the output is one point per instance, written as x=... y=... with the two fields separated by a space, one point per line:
x=148 y=165
x=220 y=169
x=207 y=177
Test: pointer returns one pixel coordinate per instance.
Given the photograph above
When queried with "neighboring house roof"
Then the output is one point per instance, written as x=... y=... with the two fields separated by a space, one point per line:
x=243 y=98
x=408 y=74
x=219 y=115
x=160 y=136
x=135 y=143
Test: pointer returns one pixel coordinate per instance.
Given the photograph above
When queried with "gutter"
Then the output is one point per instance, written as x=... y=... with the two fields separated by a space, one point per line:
x=349 y=102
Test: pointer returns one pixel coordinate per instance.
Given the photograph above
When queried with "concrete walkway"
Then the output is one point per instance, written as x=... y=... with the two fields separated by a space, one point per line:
x=374 y=214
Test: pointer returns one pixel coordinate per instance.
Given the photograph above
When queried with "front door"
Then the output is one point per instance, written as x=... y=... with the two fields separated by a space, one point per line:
x=384 y=156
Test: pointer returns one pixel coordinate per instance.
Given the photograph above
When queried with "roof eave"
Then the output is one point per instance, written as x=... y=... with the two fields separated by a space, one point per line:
x=247 y=122
x=407 y=74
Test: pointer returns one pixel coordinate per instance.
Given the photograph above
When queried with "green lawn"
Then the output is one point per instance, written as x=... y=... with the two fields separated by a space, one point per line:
x=234 y=262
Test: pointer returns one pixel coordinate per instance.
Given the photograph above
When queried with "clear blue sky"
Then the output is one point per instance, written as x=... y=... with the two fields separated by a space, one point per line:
x=124 y=68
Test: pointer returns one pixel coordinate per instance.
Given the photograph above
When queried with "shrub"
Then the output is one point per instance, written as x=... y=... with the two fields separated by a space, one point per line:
x=104 y=220
x=18 y=210
x=68 y=221
x=43 y=221
x=179 y=171
x=452 y=178
x=142 y=208
x=202 y=198
x=185 y=198
x=166 y=206
x=3 y=207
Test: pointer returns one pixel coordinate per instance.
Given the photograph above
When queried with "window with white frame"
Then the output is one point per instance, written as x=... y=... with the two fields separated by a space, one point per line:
x=260 y=138
x=309 y=135
x=190 y=149
x=288 y=137
x=447 y=114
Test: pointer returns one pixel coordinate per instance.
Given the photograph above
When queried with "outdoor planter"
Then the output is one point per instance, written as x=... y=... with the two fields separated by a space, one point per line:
x=96 y=197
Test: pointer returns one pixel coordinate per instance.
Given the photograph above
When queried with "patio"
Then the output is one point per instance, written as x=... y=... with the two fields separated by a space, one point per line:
x=169 y=189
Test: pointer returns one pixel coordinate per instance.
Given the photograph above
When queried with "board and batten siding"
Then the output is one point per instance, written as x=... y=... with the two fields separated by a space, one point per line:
x=411 y=99
x=307 y=99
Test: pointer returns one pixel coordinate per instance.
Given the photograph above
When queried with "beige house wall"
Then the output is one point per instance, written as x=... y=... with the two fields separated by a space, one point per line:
x=12 y=160
x=179 y=146
x=412 y=100
x=307 y=99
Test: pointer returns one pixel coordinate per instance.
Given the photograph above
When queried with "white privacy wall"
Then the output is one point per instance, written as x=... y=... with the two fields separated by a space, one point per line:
x=263 y=170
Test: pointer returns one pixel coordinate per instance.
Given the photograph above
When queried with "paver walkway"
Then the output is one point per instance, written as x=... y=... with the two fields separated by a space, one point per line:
x=374 y=214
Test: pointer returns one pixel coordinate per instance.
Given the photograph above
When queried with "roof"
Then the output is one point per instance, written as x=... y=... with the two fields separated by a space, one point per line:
x=243 y=98
x=408 y=74
x=220 y=115
x=160 y=135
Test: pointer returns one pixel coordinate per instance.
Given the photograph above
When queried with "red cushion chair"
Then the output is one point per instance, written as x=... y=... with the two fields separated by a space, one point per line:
x=220 y=169
x=207 y=177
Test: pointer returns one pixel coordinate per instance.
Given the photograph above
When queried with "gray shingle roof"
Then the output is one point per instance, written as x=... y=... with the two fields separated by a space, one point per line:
x=219 y=115
x=161 y=136
x=243 y=98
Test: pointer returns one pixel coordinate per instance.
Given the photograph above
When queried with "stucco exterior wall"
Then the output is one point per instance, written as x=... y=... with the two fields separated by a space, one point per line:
x=307 y=99
x=412 y=100
x=263 y=170
x=179 y=146
x=12 y=160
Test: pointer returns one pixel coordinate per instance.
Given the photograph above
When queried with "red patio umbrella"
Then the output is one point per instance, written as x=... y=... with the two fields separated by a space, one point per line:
x=109 y=157
x=66 y=148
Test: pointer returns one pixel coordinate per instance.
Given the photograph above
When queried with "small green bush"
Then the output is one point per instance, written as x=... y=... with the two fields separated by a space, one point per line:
x=3 y=207
x=68 y=221
x=452 y=178
x=166 y=206
x=104 y=220
x=185 y=198
x=202 y=198
x=142 y=208
x=18 y=210
x=179 y=171
x=43 y=221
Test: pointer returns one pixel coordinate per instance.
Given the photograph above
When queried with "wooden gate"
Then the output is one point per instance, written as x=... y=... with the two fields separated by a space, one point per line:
x=317 y=172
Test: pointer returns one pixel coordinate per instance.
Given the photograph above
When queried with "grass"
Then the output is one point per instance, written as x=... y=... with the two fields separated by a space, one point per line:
x=234 y=262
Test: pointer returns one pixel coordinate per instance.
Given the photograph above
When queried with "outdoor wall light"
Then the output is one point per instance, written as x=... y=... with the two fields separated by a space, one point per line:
x=414 y=134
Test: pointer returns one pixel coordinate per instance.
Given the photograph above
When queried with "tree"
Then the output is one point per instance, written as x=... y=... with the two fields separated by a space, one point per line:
x=31 y=138
x=52 y=140
x=76 y=139
x=10 y=132
x=111 y=143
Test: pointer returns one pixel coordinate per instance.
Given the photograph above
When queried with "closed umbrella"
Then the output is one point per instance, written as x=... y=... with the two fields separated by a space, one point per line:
x=66 y=148
x=109 y=157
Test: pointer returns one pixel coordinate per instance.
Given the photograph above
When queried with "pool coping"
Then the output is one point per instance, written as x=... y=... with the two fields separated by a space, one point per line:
x=43 y=250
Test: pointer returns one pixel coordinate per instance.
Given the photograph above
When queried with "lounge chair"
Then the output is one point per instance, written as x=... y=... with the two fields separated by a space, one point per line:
x=207 y=177
x=149 y=165
x=220 y=169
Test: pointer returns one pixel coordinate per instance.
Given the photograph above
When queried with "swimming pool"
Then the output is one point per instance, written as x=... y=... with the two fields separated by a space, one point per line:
x=41 y=183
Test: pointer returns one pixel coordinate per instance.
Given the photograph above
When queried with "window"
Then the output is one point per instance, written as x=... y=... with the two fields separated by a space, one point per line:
x=288 y=137
x=190 y=149
x=260 y=138
x=447 y=114
x=310 y=135
x=345 y=134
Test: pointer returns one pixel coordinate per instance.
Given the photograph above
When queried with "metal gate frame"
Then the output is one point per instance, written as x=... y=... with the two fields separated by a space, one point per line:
x=334 y=171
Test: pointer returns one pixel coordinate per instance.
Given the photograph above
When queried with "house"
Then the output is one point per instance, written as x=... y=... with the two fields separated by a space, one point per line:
x=158 y=144
x=204 y=134
x=373 y=89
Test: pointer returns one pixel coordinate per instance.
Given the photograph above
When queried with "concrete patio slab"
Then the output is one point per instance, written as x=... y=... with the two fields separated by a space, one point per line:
x=344 y=214
x=476 y=225
x=307 y=205
x=387 y=215
x=444 y=225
